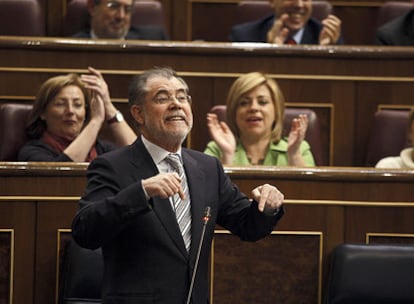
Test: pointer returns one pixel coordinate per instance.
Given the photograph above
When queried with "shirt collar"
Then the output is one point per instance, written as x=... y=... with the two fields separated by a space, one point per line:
x=298 y=36
x=157 y=153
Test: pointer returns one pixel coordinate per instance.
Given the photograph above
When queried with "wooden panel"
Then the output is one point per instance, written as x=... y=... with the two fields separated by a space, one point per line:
x=352 y=30
x=385 y=220
x=6 y=265
x=201 y=26
x=324 y=206
x=262 y=271
x=17 y=243
x=389 y=238
x=52 y=216
x=69 y=185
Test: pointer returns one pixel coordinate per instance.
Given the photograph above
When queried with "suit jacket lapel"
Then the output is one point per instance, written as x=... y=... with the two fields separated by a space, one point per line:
x=146 y=168
x=166 y=215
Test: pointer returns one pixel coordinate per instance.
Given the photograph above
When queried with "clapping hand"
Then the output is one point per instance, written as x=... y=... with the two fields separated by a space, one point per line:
x=97 y=84
x=222 y=135
x=279 y=32
x=296 y=136
x=331 y=30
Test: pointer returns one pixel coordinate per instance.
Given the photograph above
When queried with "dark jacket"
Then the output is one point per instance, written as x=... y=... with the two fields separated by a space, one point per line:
x=139 y=33
x=256 y=31
x=144 y=253
x=37 y=150
x=399 y=31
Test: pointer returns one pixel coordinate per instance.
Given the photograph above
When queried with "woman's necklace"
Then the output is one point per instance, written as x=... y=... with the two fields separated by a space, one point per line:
x=256 y=160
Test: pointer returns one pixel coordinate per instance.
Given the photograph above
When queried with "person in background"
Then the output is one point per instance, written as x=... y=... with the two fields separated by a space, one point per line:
x=111 y=19
x=291 y=23
x=399 y=31
x=253 y=132
x=144 y=204
x=406 y=158
x=67 y=115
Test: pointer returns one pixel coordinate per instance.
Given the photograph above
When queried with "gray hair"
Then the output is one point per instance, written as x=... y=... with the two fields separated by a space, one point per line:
x=138 y=87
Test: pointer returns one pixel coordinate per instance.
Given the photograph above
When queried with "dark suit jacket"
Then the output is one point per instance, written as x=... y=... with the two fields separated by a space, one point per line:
x=144 y=253
x=399 y=31
x=256 y=31
x=139 y=33
x=37 y=150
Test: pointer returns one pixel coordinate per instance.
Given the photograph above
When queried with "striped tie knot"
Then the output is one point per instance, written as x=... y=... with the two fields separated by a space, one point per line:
x=174 y=161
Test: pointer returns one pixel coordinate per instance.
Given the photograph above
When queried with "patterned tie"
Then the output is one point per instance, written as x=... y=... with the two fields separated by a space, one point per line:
x=182 y=207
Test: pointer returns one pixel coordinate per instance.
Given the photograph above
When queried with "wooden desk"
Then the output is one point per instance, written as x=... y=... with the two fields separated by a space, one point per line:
x=344 y=85
x=324 y=207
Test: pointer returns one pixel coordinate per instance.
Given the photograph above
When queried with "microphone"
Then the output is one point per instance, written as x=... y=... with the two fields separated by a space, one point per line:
x=207 y=215
x=206 y=218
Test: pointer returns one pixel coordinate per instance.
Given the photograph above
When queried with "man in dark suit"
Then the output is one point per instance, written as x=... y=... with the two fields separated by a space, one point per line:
x=399 y=31
x=293 y=25
x=111 y=19
x=133 y=196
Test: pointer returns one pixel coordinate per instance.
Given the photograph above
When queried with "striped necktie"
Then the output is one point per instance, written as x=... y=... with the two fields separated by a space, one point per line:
x=181 y=207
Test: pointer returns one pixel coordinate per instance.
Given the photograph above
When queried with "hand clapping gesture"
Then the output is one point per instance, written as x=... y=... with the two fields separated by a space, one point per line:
x=331 y=30
x=222 y=135
x=330 y=33
x=296 y=136
x=279 y=31
x=122 y=133
x=99 y=88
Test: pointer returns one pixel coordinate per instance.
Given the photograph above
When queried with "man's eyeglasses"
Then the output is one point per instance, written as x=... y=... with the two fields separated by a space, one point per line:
x=166 y=99
x=115 y=6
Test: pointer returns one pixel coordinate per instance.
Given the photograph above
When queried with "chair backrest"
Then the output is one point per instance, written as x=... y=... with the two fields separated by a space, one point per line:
x=361 y=274
x=13 y=117
x=391 y=10
x=389 y=135
x=313 y=133
x=21 y=18
x=145 y=12
x=251 y=10
x=81 y=275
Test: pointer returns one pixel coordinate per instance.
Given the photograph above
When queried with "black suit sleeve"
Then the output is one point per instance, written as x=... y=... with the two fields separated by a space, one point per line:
x=239 y=214
x=107 y=207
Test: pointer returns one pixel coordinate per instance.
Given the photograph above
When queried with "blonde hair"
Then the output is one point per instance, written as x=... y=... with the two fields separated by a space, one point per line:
x=245 y=84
